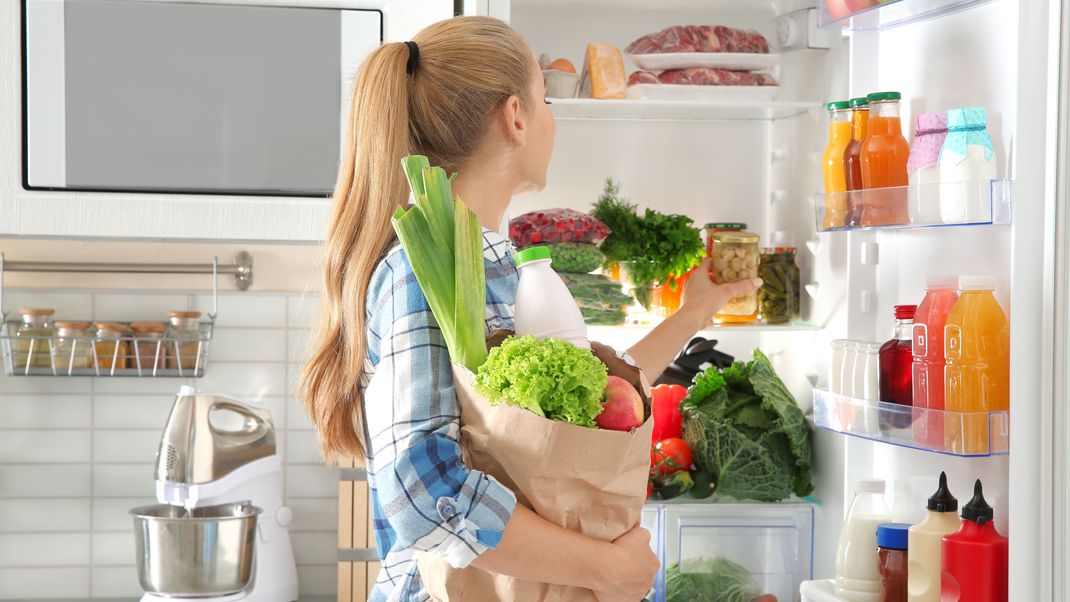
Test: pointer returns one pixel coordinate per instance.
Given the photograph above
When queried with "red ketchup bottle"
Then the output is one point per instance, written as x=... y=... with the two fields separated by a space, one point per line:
x=974 y=558
x=896 y=366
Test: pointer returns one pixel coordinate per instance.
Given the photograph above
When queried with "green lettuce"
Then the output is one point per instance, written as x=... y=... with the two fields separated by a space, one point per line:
x=709 y=580
x=744 y=427
x=550 y=377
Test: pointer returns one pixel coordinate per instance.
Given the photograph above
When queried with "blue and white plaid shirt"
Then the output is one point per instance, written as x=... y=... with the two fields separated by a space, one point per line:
x=423 y=497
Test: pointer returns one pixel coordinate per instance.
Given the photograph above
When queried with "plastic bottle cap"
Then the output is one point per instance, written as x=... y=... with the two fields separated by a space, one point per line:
x=532 y=254
x=879 y=96
x=893 y=536
x=941 y=281
x=837 y=105
x=977 y=509
x=859 y=102
x=942 y=500
x=869 y=486
x=905 y=312
x=977 y=283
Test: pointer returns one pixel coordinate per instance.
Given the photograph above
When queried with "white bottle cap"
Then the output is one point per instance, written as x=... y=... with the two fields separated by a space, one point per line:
x=869 y=486
x=977 y=283
x=940 y=281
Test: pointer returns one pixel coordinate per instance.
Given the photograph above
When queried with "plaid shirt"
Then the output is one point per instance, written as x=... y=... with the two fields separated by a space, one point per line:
x=423 y=497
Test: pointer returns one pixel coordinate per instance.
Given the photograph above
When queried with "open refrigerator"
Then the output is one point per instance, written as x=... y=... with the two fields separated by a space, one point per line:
x=756 y=160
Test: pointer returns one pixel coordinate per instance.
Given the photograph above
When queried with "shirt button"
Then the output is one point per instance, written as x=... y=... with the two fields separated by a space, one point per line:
x=446 y=509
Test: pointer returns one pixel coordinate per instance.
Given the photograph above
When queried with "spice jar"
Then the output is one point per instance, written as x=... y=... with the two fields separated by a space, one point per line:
x=73 y=348
x=149 y=351
x=33 y=342
x=110 y=347
x=716 y=227
x=735 y=258
x=778 y=298
x=892 y=561
x=184 y=348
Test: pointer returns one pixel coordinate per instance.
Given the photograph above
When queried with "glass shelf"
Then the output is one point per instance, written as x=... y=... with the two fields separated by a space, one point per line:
x=939 y=205
x=886 y=15
x=951 y=433
x=676 y=110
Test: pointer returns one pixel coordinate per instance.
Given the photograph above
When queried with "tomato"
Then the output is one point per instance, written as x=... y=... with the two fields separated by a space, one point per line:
x=669 y=456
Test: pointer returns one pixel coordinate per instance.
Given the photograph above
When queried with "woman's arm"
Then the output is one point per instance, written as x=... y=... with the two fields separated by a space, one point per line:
x=535 y=549
x=702 y=299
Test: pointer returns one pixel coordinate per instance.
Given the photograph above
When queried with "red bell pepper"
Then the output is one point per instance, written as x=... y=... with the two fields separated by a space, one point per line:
x=666 y=410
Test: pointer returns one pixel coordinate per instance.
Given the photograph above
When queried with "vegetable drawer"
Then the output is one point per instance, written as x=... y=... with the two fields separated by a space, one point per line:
x=747 y=549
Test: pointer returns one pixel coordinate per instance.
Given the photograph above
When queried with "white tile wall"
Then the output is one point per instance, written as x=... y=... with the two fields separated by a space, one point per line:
x=76 y=454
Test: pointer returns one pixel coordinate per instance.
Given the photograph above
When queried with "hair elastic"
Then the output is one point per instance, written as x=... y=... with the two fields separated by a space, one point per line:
x=414 y=57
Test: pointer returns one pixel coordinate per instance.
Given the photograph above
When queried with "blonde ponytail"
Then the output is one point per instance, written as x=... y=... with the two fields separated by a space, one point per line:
x=467 y=66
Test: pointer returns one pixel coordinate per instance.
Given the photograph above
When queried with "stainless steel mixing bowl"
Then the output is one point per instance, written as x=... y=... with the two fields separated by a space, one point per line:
x=198 y=552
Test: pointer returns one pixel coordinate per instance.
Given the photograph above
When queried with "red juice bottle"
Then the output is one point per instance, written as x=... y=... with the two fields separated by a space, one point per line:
x=896 y=359
x=973 y=560
x=928 y=349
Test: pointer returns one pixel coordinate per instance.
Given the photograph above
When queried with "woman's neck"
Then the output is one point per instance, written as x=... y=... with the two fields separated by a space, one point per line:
x=487 y=192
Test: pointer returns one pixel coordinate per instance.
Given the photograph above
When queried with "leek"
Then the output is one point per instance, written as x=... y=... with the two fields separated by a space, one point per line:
x=444 y=242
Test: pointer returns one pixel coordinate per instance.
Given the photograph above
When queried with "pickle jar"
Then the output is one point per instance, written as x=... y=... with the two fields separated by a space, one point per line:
x=73 y=348
x=184 y=344
x=735 y=258
x=111 y=349
x=33 y=338
x=149 y=351
x=778 y=298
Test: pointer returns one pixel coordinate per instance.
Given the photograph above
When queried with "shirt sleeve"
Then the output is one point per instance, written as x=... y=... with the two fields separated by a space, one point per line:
x=431 y=500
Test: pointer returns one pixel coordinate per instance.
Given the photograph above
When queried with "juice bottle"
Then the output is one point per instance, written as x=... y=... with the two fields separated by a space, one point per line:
x=884 y=164
x=832 y=164
x=977 y=373
x=896 y=361
x=928 y=348
x=926 y=539
x=852 y=159
x=973 y=563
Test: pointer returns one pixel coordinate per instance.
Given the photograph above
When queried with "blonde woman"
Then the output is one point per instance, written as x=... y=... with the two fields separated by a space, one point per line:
x=469 y=94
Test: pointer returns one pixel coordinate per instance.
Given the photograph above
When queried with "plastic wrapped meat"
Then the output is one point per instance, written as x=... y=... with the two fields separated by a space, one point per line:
x=700 y=38
x=700 y=76
x=642 y=77
x=555 y=225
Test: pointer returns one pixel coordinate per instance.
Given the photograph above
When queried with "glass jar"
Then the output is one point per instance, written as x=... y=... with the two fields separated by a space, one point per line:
x=671 y=294
x=778 y=298
x=111 y=350
x=716 y=227
x=149 y=351
x=184 y=346
x=33 y=343
x=73 y=348
x=735 y=258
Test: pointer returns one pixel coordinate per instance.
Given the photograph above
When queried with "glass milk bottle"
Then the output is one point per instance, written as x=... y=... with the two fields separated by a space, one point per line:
x=923 y=169
x=967 y=156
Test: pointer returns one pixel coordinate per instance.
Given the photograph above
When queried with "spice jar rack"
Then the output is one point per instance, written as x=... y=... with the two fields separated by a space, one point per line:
x=115 y=349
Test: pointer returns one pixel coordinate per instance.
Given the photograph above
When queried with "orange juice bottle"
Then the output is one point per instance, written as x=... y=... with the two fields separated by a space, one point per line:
x=832 y=164
x=884 y=164
x=977 y=374
x=852 y=159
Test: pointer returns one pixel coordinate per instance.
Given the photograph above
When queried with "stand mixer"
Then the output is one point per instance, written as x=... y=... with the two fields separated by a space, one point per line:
x=221 y=531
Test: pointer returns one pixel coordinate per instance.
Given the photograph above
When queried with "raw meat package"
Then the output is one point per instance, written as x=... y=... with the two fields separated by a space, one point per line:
x=555 y=225
x=700 y=38
x=575 y=257
x=703 y=77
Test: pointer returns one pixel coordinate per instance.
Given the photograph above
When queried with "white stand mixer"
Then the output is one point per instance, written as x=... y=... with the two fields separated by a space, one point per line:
x=201 y=464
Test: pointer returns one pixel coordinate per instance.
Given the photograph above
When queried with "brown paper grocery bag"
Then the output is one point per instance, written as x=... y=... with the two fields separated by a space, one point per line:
x=587 y=480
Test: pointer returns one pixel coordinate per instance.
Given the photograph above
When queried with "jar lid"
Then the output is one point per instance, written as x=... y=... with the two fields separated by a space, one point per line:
x=893 y=536
x=110 y=326
x=837 y=105
x=72 y=325
x=149 y=327
x=725 y=226
x=532 y=254
x=879 y=96
x=184 y=314
x=784 y=250
x=858 y=102
x=36 y=311
x=735 y=237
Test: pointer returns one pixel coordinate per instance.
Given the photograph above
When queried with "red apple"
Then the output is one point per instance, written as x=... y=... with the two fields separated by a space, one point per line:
x=622 y=409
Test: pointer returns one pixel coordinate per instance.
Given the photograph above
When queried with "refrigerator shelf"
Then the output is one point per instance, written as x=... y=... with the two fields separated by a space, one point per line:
x=939 y=205
x=892 y=14
x=966 y=434
x=677 y=110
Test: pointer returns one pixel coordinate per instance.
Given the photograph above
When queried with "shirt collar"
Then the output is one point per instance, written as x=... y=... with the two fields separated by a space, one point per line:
x=497 y=248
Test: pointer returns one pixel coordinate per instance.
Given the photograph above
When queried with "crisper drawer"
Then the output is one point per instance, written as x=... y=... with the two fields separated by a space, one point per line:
x=653 y=520
x=759 y=548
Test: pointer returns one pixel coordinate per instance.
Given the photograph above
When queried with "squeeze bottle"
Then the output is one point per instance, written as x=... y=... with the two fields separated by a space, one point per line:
x=928 y=350
x=974 y=562
x=545 y=307
x=858 y=577
x=925 y=538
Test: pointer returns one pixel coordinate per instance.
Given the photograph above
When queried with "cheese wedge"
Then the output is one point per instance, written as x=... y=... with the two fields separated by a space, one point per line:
x=603 y=72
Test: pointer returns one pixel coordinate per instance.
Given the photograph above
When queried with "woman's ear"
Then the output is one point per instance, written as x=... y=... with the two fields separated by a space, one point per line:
x=514 y=127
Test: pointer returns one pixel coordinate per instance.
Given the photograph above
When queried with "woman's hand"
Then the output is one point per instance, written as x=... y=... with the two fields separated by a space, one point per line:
x=703 y=298
x=631 y=566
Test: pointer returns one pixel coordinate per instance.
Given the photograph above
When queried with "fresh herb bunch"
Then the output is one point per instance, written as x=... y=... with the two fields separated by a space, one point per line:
x=659 y=245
